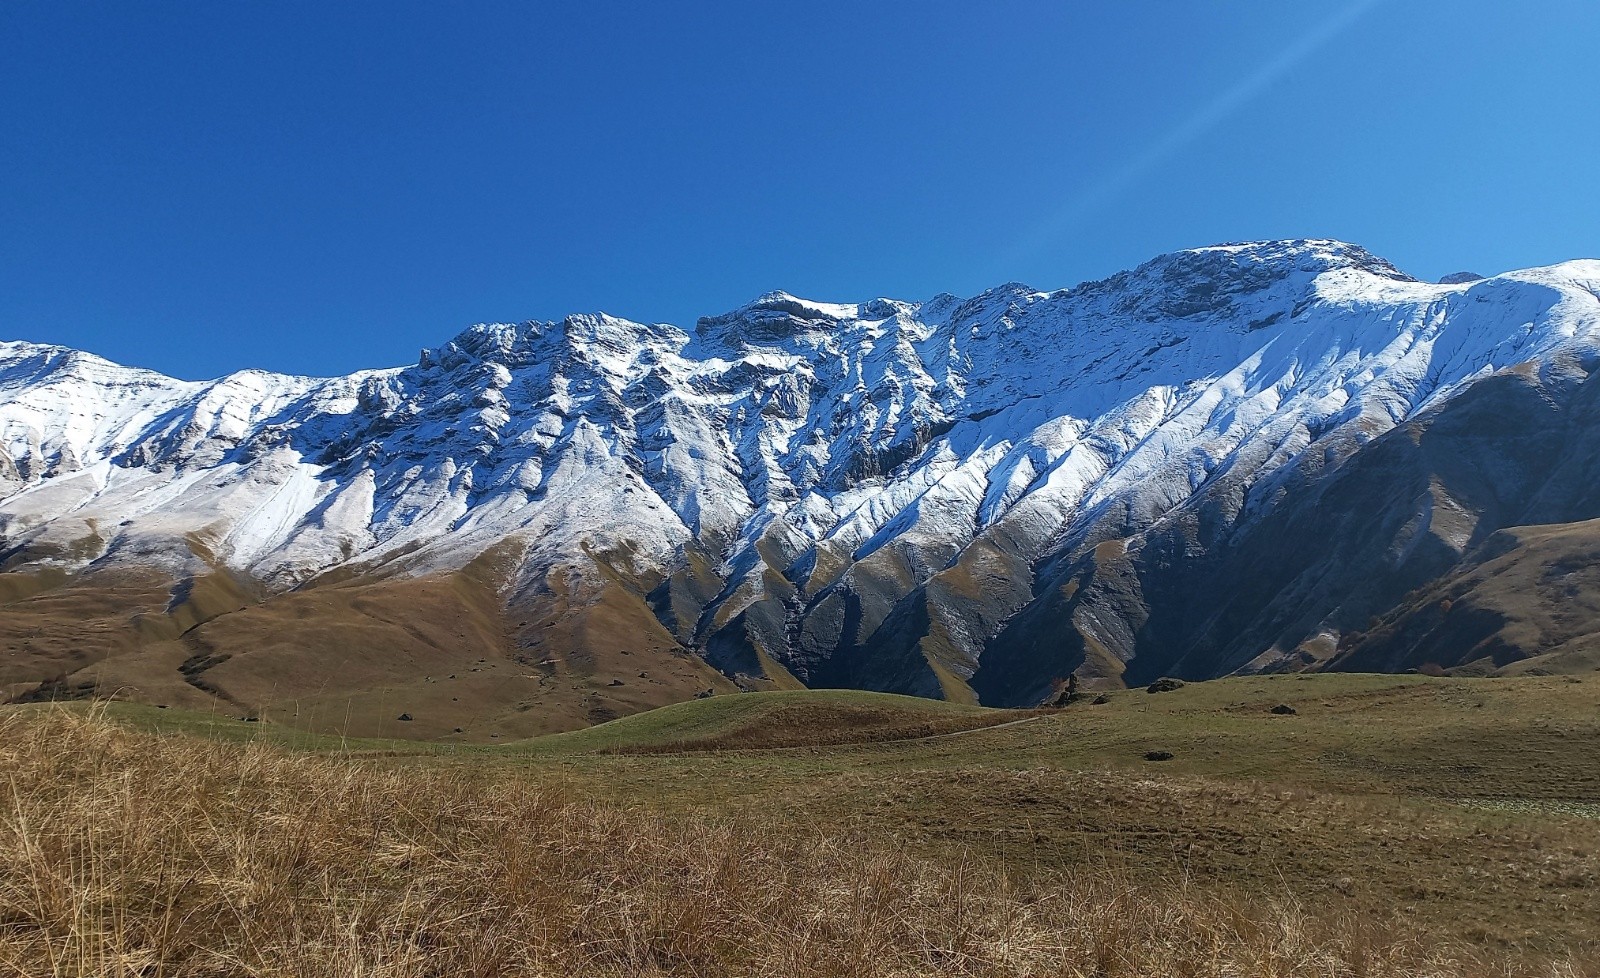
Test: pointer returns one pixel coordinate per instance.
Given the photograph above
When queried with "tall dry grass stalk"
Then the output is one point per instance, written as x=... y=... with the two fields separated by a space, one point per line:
x=125 y=854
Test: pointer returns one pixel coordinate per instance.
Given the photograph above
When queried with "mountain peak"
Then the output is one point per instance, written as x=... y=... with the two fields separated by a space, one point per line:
x=772 y=318
x=1214 y=281
x=1263 y=260
x=1305 y=254
x=820 y=485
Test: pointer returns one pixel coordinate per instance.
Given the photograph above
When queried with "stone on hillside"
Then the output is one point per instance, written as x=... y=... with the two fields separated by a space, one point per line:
x=1164 y=685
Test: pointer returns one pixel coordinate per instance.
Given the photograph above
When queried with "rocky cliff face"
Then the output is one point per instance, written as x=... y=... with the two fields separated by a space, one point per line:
x=1227 y=459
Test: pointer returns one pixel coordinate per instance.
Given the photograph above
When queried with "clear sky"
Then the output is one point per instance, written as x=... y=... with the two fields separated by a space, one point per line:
x=319 y=186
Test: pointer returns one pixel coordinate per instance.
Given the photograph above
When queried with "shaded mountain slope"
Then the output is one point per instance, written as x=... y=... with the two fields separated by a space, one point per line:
x=1232 y=458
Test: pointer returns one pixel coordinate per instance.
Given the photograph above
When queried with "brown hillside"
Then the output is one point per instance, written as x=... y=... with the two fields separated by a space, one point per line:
x=1527 y=602
x=354 y=656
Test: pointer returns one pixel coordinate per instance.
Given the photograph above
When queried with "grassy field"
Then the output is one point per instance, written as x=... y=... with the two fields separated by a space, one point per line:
x=808 y=718
x=761 y=721
x=1463 y=806
x=1389 y=825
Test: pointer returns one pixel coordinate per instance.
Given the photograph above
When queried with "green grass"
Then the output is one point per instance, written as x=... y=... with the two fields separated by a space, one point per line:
x=125 y=853
x=1373 y=798
x=788 y=718
x=750 y=721
x=1510 y=738
x=227 y=728
x=1465 y=805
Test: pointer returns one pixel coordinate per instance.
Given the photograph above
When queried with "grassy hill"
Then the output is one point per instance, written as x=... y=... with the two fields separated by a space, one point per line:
x=747 y=721
x=1392 y=824
x=789 y=718
x=1523 y=737
x=349 y=656
x=1470 y=807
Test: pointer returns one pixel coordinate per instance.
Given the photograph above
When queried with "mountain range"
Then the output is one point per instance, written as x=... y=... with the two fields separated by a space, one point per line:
x=1253 y=457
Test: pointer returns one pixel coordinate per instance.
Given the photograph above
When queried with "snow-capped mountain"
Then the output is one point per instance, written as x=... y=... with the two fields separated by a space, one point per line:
x=938 y=497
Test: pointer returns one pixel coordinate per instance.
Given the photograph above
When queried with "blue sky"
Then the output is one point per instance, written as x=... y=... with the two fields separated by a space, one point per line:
x=316 y=187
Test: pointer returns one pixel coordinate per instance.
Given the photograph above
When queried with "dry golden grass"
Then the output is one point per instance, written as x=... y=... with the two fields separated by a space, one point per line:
x=132 y=854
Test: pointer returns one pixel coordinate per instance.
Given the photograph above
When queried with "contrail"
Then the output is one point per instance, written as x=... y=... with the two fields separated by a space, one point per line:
x=1206 y=118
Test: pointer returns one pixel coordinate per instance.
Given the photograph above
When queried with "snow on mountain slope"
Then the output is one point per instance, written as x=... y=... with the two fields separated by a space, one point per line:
x=783 y=478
